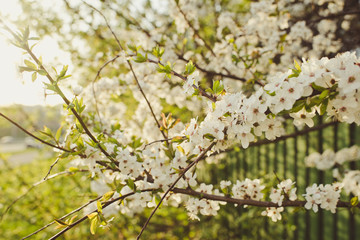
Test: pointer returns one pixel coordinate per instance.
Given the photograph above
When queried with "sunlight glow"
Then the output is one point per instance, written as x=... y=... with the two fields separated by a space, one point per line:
x=16 y=88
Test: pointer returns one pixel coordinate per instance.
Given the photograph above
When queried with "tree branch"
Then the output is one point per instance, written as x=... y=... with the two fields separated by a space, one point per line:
x=33 y=136
x=32 y=187
x=250 y=202
x=25 y=46
x=130 y=65
x=63 y=217
x=106 y=204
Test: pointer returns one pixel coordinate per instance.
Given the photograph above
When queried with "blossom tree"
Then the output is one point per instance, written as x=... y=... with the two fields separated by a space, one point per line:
x=234 y=67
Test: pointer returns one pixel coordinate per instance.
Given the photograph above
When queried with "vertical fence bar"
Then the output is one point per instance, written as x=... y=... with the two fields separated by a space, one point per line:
x=352 y=140
x=284 y=155
x=307 y=182
x=320 y=180
x=275 y=158
x=296 y=215
x=267 y=159
x=285 y=234
x=258 y=155
x=335 y=217
x=245 y=165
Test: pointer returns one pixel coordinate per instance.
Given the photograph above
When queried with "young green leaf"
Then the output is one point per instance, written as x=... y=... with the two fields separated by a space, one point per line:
x=95 y=223
x=354 y=201
x=99 y=206
x=30 y=64
x=33 y=76
x=107 y=196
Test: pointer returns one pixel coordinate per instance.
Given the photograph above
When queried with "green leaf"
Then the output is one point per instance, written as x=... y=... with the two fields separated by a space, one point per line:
x=315 y=101
x=33 y=76
x=130 y=183
x=25 y=69
x=157 y=51
x=323 y=107
x=140 y=58
x=196 y=92
x=177 y=139
x=317 y=88
x=107 y=195
x=58 y=134
x=324 y=94
x=73 y=169
x=99 y=206
x=165 y=69
x=354 y=201
x=296 y=73
x=92 y=215
x=95 y=223
x=296 y=64
x=181 y=149
x=189 y=68
x=237 y=149
x=26 y=34
x=42 y=72
x=51 y=87
x=47 y=132
x=65 y=77
x=218 y=87
x=298 y=106
x=209 y=136
x=134 y=48
x=63 y=71
x=30 y=64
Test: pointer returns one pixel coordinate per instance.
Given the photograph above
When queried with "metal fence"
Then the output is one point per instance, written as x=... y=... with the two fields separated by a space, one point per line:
x=285 y=158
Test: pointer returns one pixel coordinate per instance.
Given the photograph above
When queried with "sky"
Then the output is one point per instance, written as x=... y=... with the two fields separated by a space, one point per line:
x=16 y=88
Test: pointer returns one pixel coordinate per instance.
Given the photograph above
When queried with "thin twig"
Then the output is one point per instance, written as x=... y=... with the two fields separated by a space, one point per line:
x=106 y=204
x=63 y=217
x=130 y=65
x=196 y=32
x=51 y=167
x=157 y=141
x=184 y=78
x=223 y=75
x=32 y=187
x=94 y=80
x=33 y=136
x=201 y=156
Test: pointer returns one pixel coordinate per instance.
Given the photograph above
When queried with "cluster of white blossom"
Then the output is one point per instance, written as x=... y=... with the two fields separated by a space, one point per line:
x=284 y=190
x=273 y=213
x=351 y=182
x=203 y=206
x=242 y=48
x=234 y=118
x=282 y=32
x=329 y=159
x=326 y=196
